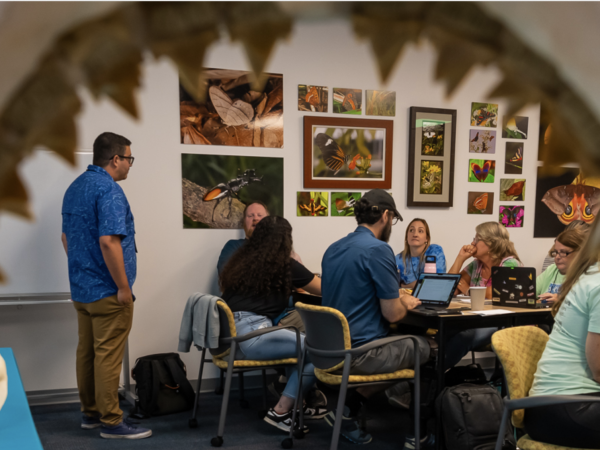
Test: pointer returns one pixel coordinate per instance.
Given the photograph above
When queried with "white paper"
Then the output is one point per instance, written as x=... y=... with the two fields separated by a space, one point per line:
x=492 y=312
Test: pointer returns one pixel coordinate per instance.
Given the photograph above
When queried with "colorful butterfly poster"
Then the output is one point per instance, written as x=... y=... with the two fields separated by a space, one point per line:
x=381 y=103
x=312 y=204
x=484 y=115
x=233 y=112
x=342 y=203
x=431 y=177
x=482 y=170
x=482 y=141
x=512 y=189
x=347 y=101
x=513 y=158
x=512 y=216
x=480 y=203
x=313 y=98
x=515 y=128
x=432 y=140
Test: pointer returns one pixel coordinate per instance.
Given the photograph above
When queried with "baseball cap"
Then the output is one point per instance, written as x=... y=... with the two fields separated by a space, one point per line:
x=382 y=200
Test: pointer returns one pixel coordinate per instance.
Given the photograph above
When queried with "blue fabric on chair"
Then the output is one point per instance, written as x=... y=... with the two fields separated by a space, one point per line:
x=17 y=429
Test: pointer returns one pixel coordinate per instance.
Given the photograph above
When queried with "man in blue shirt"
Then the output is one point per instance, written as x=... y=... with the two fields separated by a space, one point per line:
x=99 y=239
x=360 y=279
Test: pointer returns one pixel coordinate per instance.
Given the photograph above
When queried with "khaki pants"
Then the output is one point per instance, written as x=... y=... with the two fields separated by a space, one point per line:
x=103 y=329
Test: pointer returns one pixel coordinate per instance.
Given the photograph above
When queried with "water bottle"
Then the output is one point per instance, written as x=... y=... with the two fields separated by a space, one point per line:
x=430 y=265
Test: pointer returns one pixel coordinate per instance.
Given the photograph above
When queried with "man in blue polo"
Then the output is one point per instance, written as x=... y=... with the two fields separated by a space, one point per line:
x=360 y=279
x=99 y=239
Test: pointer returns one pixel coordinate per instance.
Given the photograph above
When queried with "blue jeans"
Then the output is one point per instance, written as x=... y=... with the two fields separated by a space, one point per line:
x=278 y=344
x=465 y=341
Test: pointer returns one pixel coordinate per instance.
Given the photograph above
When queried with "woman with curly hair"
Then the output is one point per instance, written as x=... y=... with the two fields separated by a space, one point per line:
x=256 y=284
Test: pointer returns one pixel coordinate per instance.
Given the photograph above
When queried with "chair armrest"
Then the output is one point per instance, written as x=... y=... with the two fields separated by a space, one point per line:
x=548 y=400
x=363 y=348
x=258 y=332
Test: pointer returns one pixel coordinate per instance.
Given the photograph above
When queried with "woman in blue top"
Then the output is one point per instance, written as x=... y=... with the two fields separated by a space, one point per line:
x=417 y=245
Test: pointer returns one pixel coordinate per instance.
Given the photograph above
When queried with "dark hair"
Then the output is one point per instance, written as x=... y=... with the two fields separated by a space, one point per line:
x=262 y=264
x=256 y=202
x=365 y=213
x=108 y=145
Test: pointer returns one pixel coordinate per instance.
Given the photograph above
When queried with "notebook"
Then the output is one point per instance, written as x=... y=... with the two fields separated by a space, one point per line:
x=513 y=286
x=435 y=290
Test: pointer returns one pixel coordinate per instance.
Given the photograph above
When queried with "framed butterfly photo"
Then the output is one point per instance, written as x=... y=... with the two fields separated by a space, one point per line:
x=512 y=216
x=347 y=153
x=482 y=171
x=431 y=157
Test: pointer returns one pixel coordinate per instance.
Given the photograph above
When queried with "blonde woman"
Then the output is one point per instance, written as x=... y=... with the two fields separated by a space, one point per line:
x=490 y=247
x=570 y=364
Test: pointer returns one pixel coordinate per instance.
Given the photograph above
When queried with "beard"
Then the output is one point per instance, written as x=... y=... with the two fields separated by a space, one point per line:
x=386 y=232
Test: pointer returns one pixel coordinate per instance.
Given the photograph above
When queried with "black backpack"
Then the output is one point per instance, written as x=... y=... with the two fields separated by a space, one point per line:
x=470 y=415
x=161 y=385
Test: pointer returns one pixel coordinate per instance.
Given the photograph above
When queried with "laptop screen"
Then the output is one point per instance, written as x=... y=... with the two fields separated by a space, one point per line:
x=436 y=288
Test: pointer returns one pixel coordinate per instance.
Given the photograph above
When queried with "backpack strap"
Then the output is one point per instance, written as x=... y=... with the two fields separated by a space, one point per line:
x=179 y=377
x=155 y=386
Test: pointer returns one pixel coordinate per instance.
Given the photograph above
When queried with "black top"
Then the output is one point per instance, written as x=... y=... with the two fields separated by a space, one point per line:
x=273 y=303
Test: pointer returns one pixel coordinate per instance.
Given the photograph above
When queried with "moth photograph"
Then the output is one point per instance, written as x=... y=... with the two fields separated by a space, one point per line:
x=482 y=171
x=482 y=141
x=512 y=216
x=484 y=115
x=312 y=204
x=347 y=153
x=217 y=188
x=313 y=98
x=347 y=101
x=480 y=203
x=342 y=203
x=513 y=158
x=237 y=110
x=512 y=189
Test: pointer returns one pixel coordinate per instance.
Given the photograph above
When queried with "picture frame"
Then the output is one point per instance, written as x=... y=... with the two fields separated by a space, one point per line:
x=432 y=137
x=347 y=153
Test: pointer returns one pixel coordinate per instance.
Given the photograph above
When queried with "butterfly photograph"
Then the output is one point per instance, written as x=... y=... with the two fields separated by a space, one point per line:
x=347 y=153
x=313 y=98
x=515 y=127
x=432 y=141
x=513 y=158
x=480 y=203
x=347 y=101
x=236 y=110
x=342 y=203
x=482 y=141
x=484 y=115
x=381 y=103
x=312 y=204
x=482 y=171
x=512 y=189
x=431 y=177
x=217 y=188
x=512 y=216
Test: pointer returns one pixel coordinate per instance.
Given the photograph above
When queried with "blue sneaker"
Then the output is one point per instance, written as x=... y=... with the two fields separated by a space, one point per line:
x=125 y=430
x=352 y=428
x=89 y=422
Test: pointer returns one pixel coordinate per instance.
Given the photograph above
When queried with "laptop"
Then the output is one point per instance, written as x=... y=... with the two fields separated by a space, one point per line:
x=513 y=286
x=435 y=290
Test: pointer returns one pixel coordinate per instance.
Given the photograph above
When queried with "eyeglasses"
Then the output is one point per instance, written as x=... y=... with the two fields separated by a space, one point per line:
x=128 y=158
x=476 y=239
x=561 y=253
x=396 y=219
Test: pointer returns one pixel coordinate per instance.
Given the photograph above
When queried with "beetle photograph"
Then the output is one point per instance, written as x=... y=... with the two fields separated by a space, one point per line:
x=217 y=188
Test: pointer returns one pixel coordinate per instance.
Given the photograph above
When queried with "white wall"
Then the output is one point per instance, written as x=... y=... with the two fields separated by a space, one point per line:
x=173 y=262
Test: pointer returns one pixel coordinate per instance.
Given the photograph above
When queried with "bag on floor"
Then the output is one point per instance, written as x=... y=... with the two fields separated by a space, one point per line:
x=470 y=415
x=471 y=373
x=161 y=385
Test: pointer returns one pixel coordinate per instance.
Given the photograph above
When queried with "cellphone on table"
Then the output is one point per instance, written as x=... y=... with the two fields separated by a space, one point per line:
x=430 y=264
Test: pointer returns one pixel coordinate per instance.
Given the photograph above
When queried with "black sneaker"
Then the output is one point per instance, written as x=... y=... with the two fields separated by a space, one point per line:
x=316 y=399
x=314 y=413
x=351 y=428
x=282 y=421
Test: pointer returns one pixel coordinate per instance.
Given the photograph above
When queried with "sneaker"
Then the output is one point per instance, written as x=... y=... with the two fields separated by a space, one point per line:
x=316 y=399
x=351 y=428
x=125 y=430
x=426 y=443
x=399 y=395
x=281 y=421
x=314 y=413
x=89 y=422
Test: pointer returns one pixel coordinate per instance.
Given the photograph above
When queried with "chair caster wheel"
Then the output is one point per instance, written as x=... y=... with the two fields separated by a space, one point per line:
x=287 y=443
x=193 y=423
x=216 y=441
x=244 y=404
x=219 y=390
x=298 y=434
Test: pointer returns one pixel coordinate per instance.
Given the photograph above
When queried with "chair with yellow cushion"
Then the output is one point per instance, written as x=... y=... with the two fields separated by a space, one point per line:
x=519 y=349
x=221 y=357
x=329 y=346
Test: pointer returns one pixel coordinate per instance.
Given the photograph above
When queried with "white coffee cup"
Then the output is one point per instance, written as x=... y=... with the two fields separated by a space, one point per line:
x=477 y=297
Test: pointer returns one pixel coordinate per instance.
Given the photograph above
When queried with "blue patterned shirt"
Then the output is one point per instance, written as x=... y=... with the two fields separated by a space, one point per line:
x=411 y=272
x=94 y=206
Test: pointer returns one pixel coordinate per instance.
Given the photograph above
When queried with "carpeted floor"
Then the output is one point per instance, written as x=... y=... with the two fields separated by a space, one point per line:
x=59 y=428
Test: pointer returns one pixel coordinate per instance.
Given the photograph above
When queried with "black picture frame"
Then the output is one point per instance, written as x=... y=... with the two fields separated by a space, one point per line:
x=441 y=126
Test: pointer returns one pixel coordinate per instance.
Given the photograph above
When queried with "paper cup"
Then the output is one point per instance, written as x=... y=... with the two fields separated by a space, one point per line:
x=477 y=297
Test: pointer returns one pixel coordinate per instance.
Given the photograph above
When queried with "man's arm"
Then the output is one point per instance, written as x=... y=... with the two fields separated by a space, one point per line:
x=63 y=238
x=592 y=354
x=112 y=251
x=395 y=309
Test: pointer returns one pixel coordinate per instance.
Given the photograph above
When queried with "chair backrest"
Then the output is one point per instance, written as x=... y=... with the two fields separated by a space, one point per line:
x=326 y=329
x=227 y=329
x=519 y=349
